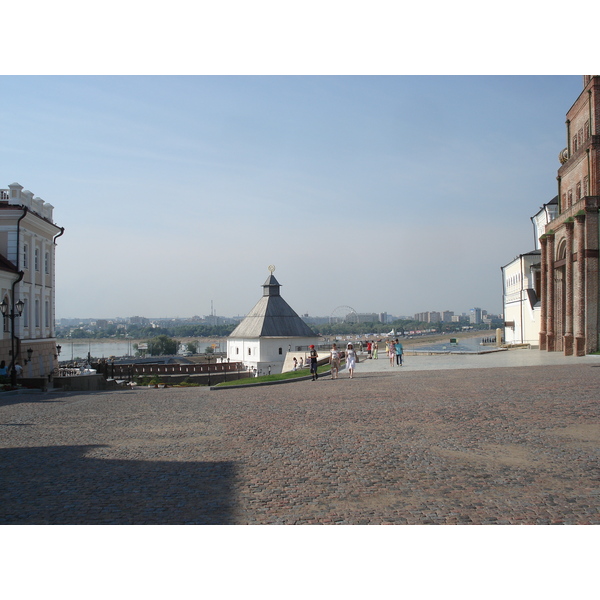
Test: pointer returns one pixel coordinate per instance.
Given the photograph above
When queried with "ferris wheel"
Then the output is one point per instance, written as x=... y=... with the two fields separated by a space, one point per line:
x=343 y=314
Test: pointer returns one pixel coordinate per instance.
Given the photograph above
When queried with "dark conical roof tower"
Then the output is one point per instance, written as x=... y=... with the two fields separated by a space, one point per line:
x=272 y=316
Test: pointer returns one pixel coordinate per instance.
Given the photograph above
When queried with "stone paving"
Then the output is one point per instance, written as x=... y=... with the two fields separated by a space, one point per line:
x=511 y=445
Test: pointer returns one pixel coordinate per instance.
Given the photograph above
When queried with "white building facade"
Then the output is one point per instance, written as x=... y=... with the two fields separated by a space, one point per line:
x=521 y=286
x=28 y=237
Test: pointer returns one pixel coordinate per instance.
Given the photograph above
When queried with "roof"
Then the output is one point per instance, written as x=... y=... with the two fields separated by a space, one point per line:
x=272 y=316
x=7 y=265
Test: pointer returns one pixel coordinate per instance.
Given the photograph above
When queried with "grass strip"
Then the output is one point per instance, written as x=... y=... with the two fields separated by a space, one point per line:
x=278 y=377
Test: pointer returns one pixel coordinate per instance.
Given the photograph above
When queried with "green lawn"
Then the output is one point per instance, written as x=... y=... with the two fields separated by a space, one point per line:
x=280 y=377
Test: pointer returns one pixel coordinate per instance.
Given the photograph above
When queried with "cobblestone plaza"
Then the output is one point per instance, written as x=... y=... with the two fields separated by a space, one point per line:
x=512 y=445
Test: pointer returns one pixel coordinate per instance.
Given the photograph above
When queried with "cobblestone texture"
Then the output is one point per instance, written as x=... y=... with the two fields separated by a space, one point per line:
x=485 y=446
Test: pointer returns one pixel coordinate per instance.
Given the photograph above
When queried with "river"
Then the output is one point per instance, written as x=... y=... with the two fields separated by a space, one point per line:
x=78 y=350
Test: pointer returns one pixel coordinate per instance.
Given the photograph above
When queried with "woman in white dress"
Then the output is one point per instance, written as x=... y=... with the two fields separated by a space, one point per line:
x=350 y=360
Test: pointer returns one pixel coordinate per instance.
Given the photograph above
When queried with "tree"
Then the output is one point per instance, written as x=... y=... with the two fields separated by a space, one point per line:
x=162 y=344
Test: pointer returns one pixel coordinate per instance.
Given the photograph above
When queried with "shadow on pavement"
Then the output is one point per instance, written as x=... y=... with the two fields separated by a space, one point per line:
x=59 y=485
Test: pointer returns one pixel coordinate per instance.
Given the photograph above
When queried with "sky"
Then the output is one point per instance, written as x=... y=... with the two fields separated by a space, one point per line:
x=373 y=170
x=397 y=194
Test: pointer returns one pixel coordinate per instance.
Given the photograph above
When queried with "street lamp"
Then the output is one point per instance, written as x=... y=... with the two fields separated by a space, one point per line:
x=29 y=353
x=4 y=307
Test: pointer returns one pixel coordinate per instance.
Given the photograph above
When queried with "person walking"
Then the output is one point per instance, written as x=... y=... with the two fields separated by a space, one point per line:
x=375 y=350
x=369 y=349
x=399 y=352
x=313 y=362
x=391 y=352
x=334 y=361
x=350 y=360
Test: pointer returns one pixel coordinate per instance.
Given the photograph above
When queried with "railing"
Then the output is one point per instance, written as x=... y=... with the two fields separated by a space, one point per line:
x=133 y=370
x=4 y=195
x=72 y=372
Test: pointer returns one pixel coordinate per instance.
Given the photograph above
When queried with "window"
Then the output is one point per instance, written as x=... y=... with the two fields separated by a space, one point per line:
x=25 y=312
x=249 y=351
x=36 y=259
x=280 y=350
x=585 y=185
x=47 y=263
x=46 y=314
x=37 y=313
x=574 y=144
x=25 y=259
x=578 y=191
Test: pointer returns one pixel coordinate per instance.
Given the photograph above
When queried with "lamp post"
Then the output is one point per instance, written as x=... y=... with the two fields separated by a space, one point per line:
x=4 y=307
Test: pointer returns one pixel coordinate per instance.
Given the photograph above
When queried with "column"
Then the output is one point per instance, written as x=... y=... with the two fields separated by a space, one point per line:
x=550 y=329
x=579 y=287
x=568 y=337
x=542 y=291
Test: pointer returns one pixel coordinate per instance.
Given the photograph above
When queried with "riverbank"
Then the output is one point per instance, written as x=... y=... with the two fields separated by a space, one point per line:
x=78 y=349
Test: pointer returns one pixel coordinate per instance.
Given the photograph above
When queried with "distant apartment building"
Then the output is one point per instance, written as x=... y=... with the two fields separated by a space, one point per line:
x=447 y=316
x=428 y=317
x=367 y=317
x=476 y=316
x=139 y=321
x=27 y=248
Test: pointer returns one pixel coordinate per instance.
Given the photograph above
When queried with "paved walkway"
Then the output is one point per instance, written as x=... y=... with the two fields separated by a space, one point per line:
x=506 y=358
x=409 y=445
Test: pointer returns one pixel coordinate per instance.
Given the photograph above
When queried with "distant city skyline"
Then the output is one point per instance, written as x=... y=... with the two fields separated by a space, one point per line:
x=154 y=318
x=390 y=191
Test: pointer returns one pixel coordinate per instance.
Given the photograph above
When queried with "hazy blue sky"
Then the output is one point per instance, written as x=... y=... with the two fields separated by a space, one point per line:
x=385 y=193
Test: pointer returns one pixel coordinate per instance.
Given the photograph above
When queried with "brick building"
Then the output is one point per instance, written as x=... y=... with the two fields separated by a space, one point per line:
x=570 y=268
